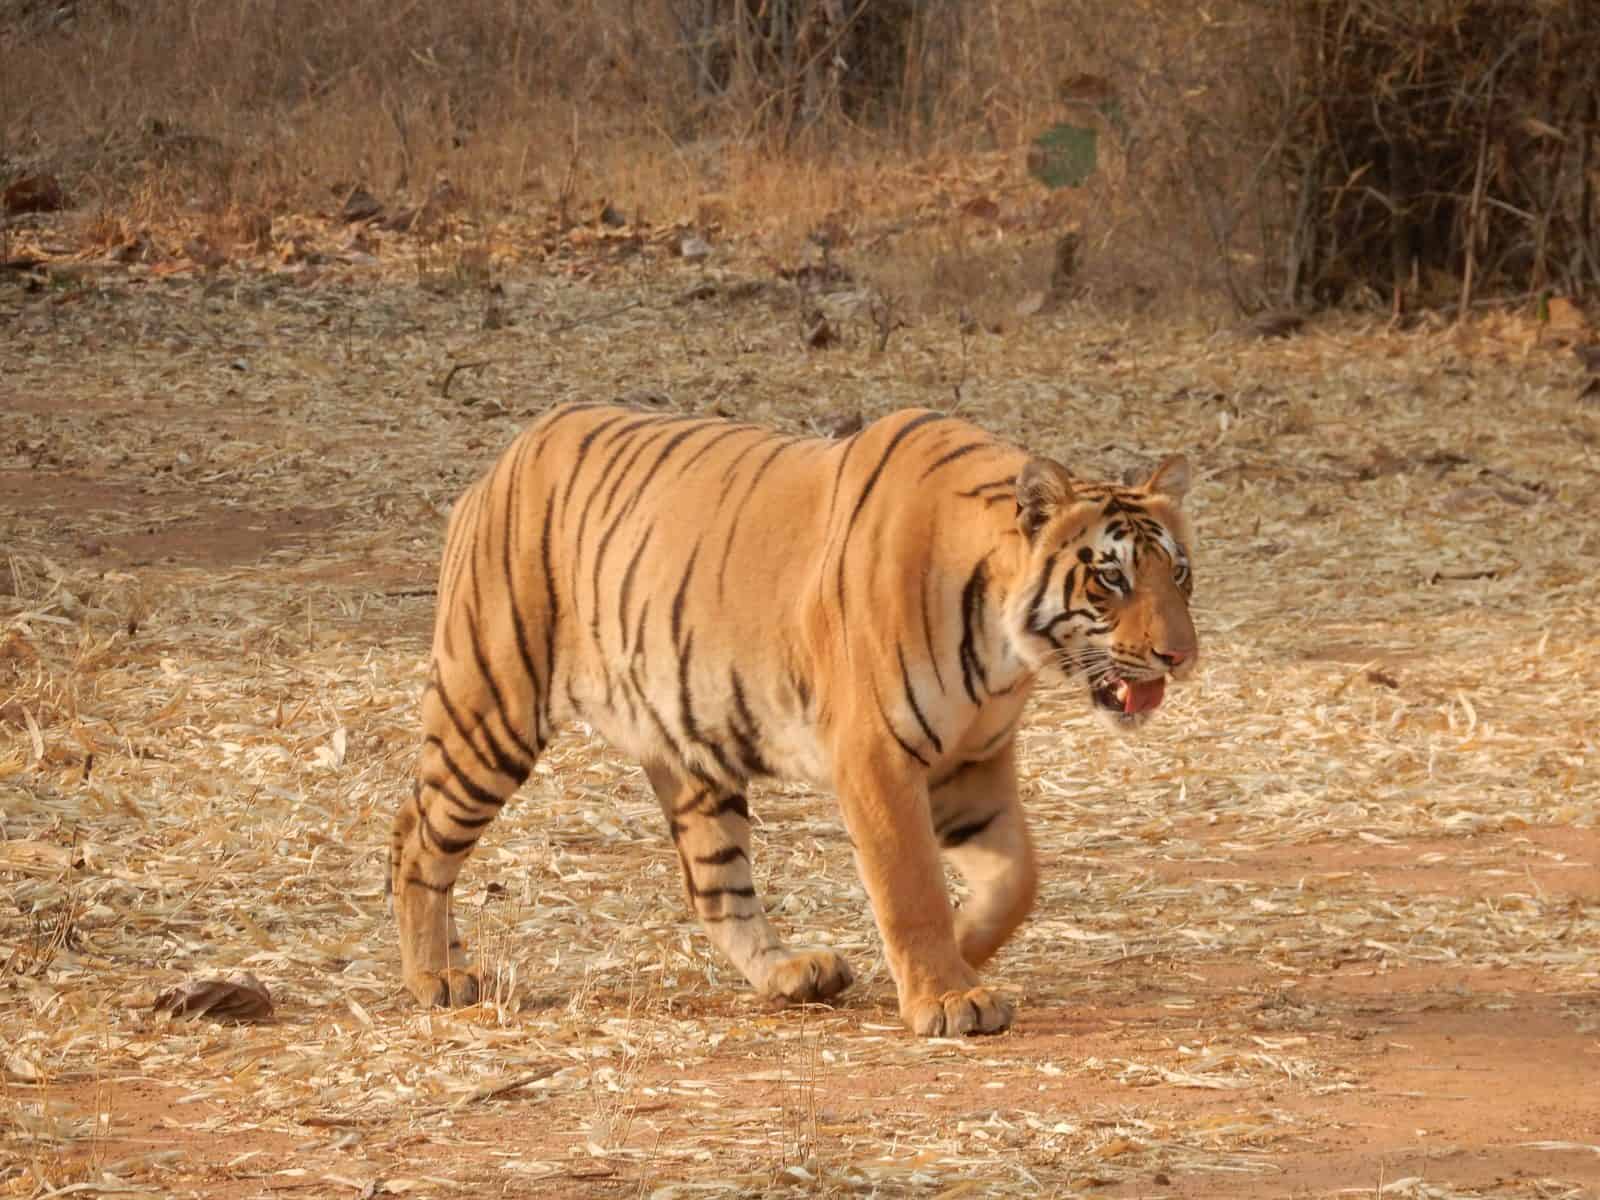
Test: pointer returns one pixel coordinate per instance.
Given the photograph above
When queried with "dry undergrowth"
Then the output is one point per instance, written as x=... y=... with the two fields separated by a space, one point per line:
x=220 y=506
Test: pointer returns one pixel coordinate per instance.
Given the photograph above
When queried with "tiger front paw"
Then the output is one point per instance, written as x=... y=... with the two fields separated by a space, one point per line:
x=808 y=975
x=956 y=1014
x=452 y=987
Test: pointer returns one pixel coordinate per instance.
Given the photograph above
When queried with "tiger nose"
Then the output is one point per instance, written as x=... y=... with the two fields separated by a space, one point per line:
x=1174 y=658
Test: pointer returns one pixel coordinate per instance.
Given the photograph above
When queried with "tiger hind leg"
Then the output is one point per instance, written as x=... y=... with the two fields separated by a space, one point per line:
x=473 y=759
x=711 y=829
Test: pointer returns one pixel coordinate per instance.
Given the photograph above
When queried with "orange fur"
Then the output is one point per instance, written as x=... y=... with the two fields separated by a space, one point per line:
x=726 y=604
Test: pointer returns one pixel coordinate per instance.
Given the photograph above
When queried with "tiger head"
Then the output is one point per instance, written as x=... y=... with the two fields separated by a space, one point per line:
x=1104 y=592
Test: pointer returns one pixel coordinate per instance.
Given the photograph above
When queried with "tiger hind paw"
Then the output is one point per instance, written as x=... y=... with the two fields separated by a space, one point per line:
x=452 y=987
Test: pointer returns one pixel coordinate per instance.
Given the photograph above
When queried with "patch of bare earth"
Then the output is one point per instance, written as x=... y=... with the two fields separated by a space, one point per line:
x=1331 y=926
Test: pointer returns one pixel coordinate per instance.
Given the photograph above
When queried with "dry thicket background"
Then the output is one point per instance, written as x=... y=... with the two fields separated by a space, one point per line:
x=277 y=280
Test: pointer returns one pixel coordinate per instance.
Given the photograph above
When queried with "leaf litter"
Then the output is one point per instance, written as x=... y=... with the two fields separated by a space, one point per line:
x=222 y=509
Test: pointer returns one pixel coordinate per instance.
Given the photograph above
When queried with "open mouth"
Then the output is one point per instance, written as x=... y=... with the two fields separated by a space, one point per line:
x=1128 y=698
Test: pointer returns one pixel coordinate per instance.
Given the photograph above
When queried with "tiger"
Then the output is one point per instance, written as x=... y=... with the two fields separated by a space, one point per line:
x=728 y=604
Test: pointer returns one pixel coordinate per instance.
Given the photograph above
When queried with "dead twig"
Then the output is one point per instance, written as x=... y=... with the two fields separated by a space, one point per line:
x=490 y=1091
x=444 y=388
x=592 y=318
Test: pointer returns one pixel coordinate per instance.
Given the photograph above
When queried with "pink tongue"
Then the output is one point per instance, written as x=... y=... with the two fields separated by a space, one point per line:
x=1143 y=695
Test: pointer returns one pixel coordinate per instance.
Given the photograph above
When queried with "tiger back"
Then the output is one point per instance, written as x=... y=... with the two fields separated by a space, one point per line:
x=726 y=604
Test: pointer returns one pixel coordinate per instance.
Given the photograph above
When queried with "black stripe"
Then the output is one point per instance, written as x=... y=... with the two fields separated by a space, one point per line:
x=734 y=802
x=616 y=523
x=475 y=791
x=745 y=731
x=904 y=432
x=636 y=646
x=731 y=429
x=958 y=452
x=927 y=630
x=496 y=758
x=665 y=732
x=528 y=752
x=1032 y=621
x=611 y=529
x=973 y=672
x=850 y=445
x=696 y=798
x=552 y=608
x=616 y=444
x=672 y=445
x=627 y=588
x=691 y=726
x=461 y=529
x=721 y=858
x=901 y=434
x=895 y=733
x=446 y=846
x=732 y=469
x=743 y=893
x=965 y=833
x=977 y=491
x=911 y=698
x=473 y=821
x=518 y=619
x=575 y=467
x=682 y=592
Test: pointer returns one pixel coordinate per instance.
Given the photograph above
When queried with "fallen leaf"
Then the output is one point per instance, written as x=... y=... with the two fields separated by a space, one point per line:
x=20 y=1066
x=239 y=997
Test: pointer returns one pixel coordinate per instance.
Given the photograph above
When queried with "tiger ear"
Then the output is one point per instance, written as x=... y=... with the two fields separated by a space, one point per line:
x=1043 y=488
x=1171 y=478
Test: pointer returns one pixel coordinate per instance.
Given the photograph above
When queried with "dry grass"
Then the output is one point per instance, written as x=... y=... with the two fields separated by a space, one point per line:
x=222 y=508
x=230 y=121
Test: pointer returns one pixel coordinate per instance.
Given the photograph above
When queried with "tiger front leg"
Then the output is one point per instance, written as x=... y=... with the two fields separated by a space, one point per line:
x=980 y=826
x=886 y=808
x=711 y=830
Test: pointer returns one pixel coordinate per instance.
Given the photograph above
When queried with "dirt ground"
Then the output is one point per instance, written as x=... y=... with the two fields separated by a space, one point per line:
x=1331 y=926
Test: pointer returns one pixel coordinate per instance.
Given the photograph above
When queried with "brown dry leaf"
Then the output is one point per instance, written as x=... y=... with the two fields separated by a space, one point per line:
x=15 y=647
x=239 y=997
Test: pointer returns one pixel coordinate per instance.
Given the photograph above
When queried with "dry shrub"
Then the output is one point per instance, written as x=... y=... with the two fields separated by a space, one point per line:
x=1258 y=150
x=1443 y=146
x=239 y=102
